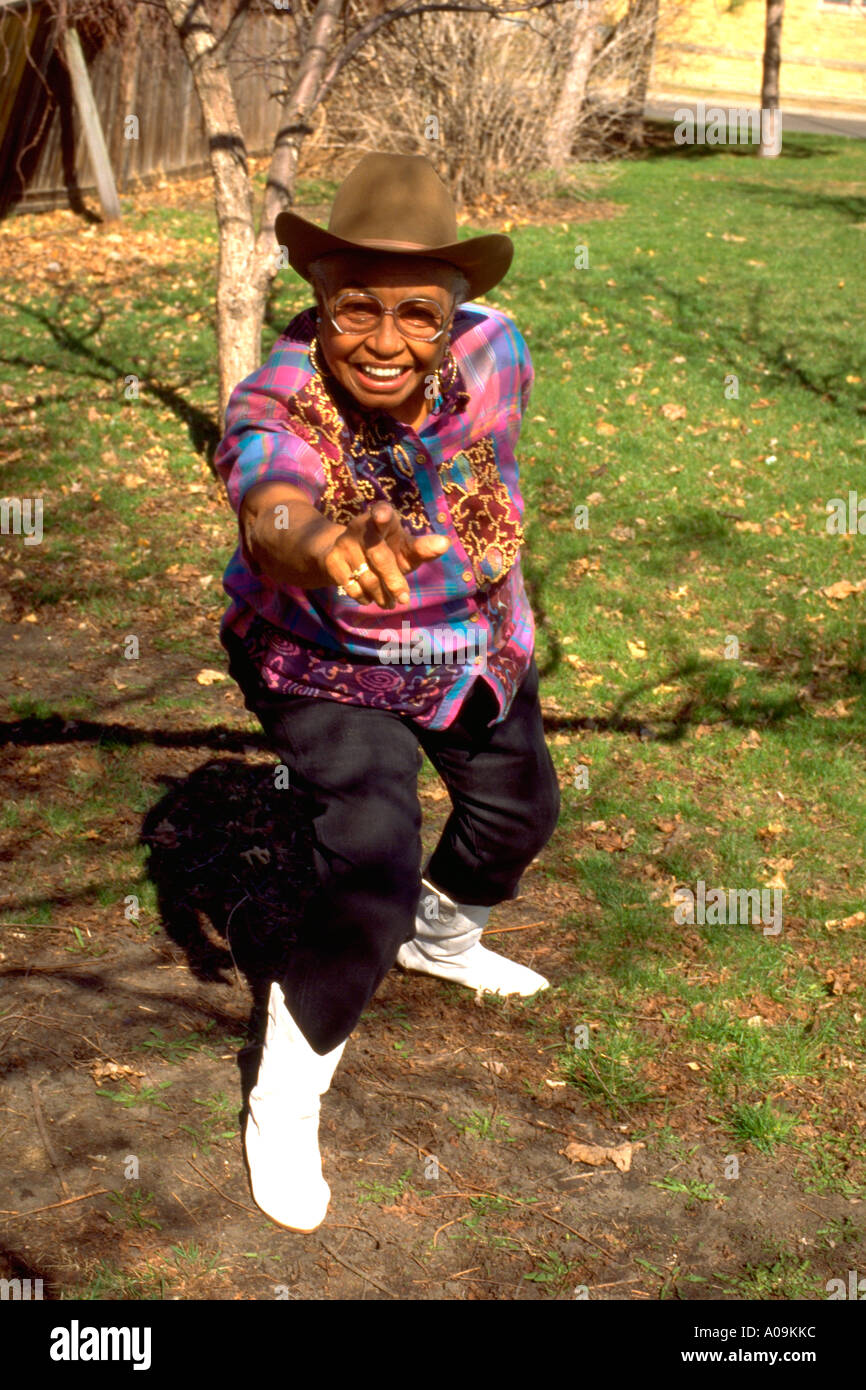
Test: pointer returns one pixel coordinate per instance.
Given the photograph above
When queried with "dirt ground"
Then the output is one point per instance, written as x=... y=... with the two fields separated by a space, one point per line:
x=123 y=1049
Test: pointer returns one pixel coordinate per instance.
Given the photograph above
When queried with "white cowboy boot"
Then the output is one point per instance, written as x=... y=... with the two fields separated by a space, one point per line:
x=447 y=943
x=281 y=1138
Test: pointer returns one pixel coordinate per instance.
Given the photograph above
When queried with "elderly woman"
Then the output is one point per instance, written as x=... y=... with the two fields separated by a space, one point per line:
x=371 y=463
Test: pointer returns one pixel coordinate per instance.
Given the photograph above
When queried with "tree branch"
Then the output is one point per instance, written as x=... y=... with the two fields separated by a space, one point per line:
x=412 y=7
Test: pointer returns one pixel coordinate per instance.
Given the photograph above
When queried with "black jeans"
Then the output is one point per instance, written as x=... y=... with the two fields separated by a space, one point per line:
x=358 y=768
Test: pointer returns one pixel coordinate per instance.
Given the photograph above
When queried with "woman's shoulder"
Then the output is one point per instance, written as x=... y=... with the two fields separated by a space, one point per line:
x=297 y=334
x=481 y=331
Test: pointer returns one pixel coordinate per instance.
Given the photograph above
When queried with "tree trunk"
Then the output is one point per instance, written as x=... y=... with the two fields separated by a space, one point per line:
x=247 y=261
x=236 y=333
x=565 y=116
x=771 y=141
x=299 y=107
x=644 y=16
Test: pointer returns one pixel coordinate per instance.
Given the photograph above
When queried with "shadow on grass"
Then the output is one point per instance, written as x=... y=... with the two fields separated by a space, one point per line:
x=659 y=143
x=691 y=314
x=227 y=847
x=787 y=656
x=35 y=731
x=852 y=208
x=204 y=430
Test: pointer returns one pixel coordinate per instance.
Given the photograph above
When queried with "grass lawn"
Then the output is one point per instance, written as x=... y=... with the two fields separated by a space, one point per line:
x=699 y=400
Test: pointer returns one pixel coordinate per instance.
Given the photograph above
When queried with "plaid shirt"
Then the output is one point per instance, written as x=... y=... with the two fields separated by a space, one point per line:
x=468 y=615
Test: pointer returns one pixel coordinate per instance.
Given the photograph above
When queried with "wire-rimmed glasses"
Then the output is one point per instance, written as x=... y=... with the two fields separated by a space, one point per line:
x=414 y=317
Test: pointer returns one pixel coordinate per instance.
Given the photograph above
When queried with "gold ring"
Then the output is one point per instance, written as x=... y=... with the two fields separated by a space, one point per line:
x=362 y=569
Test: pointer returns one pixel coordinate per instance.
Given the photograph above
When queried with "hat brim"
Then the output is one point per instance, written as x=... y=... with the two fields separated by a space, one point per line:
x=484 y=260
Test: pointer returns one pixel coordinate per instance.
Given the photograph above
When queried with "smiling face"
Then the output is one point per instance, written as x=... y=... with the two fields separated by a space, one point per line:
x=354 y=357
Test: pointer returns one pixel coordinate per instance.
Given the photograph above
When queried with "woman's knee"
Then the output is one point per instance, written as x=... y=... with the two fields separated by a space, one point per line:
x=519 y=837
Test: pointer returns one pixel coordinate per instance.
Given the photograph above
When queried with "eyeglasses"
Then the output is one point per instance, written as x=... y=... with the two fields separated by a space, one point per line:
x=362 y=313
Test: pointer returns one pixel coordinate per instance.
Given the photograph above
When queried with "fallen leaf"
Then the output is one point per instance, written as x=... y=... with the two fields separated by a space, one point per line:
x=841 y=709
x=207 y=677
x=596 y=1154
x=498 y=1068
x=637 y=649
x=673 y=412
x=842 y=588
x=112 y=1071
x=854 y=920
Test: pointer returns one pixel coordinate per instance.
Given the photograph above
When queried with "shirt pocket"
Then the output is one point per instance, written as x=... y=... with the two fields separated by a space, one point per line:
x=485 y=515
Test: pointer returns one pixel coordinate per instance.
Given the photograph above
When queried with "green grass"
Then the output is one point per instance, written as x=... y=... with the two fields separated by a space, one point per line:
x=785 y=1277
x=130 y=1209
x=738 y=762
x=218 y=1116
x=179 y=1049
x=130 y=1098
x=482 y=1125
x=691 y=1187
x=385 y=1192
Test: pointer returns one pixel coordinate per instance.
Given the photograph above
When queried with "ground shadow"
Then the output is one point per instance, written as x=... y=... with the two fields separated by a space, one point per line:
x=204 y=429
x=659 y=143
x=231 y=853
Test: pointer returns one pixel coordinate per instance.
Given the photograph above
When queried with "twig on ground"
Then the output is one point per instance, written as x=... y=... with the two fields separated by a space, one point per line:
x=185 y=1207
x=529 y=925
x=43 y=1135
x=499 y=1196
x=52 y=1206
x=343 y=1226
x=455 y=1222
x=404 y=1095
x=354 y=1270
x=42 y=1020
x=29 y=970
x=222 y=1194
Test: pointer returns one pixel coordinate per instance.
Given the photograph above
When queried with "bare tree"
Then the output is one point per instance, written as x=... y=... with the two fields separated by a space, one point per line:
x=568 y=107
x=481 y=124
x=334 y=34
x=770 y=145
x=490 y=90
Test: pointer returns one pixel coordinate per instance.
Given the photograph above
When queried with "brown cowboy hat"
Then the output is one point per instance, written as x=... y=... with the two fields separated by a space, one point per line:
x=396 y=203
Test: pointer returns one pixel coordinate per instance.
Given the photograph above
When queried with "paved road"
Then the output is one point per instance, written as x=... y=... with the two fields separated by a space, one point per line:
x=852 y=126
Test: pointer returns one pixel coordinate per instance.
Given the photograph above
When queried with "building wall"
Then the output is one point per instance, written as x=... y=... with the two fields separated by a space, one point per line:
x=704 y=51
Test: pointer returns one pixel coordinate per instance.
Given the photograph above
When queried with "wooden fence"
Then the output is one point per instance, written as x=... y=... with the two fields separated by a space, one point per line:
x=144 y=96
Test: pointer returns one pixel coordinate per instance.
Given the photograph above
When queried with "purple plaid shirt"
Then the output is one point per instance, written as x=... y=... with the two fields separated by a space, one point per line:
x=468 y=615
